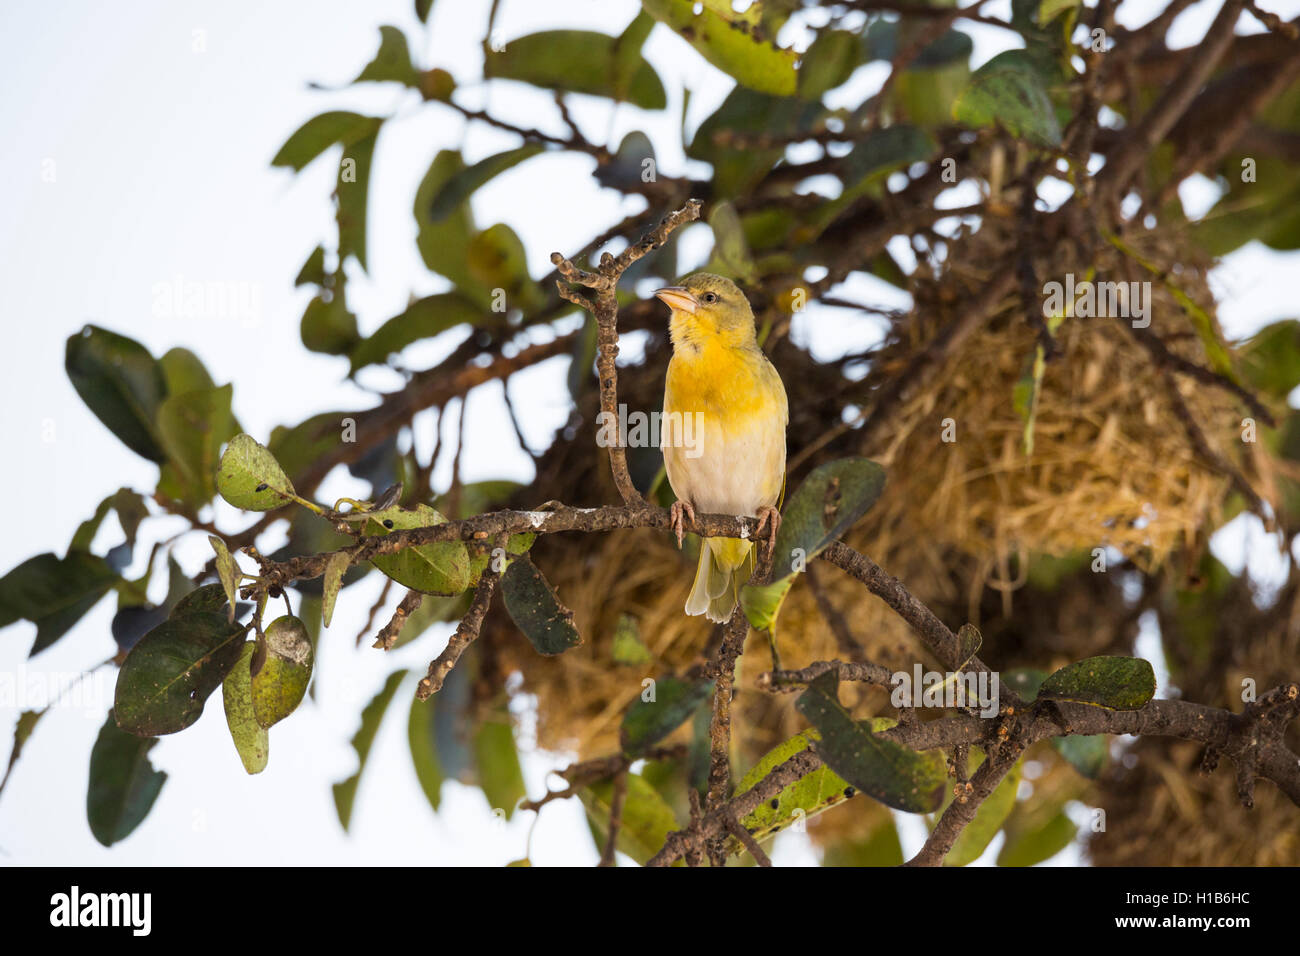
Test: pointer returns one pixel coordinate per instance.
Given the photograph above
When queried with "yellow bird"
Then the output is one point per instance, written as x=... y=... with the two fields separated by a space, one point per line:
x=723 y=434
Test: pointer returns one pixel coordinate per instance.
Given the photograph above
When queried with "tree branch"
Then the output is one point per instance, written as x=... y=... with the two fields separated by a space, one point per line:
x=465 y=635
x=602 y=303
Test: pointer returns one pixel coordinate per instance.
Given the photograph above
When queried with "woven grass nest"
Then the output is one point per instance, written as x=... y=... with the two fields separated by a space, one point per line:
x=1112 y=466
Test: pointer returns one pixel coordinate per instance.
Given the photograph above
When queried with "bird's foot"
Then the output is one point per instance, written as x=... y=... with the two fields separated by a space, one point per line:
x=771 y=518
x=675 y=513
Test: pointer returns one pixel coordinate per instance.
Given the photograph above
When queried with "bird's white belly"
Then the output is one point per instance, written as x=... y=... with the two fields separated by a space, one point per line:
x=736 y=471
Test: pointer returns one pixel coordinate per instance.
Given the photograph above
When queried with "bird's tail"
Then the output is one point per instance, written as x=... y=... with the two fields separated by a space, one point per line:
x=725 y=566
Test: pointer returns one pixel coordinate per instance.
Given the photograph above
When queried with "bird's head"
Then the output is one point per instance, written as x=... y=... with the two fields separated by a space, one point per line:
x=706 y=304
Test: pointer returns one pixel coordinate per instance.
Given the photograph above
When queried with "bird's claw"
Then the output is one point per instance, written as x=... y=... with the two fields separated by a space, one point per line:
x=675 y=513
x=771 y=518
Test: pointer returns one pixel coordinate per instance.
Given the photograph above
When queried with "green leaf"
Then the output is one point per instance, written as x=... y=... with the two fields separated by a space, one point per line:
x=969 y=642
x=925 y=95
x=646 y=821
x=23 y=729
x=250 y=478
x=280 y=683
x=86 y=531
x=496 y=260
x=436 y=85
x=439 y=568
x=443 y=244
x=121 y=383
x=627 y=647
x=730 y=251
x=422 y=9
x=393 y=61
x=183 y=371
x=627 y=54
x=829 y=62
x=762 y=604
x=459 y=187
x=1087 y=753
x=881 y=847
x=882 y=152
x=897 y=777
x=1027 y=847
x=423 y=319
x=536 y=610
x=251 y=740
x=726 y=40
x=1049 y=10
x=320 y=133
x=627 y=172
x=831 y=499
x=169 y=674
x=881 y=42
x=497 y=760
x=309 y=609
x=313 y=270
x=345 y=791
x=1008 y=91
x=1270 y=359
x=578 y=61
x=353 y=190
x=54 y=593
x=123 y=783
x=806 y=797
x=423 y=740
x=210 y=599
x=338 y=564
x=228 y=573
x=193 y=426
x=989 y=818
x=748 y=112
x=1251 y=211
x=1116 y=683
x=647 y=722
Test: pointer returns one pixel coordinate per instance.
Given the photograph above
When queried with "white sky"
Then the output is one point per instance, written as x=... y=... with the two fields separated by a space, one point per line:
x=161 y=170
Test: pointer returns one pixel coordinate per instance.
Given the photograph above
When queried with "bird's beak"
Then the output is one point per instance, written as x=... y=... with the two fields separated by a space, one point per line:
x=679 y=299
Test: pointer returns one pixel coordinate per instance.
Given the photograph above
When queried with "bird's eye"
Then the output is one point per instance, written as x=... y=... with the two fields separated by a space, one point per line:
x=710 y=297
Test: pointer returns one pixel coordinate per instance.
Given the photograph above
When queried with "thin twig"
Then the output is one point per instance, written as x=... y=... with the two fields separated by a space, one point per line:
x=961 y=812
x=409 y=604
x=465 y=635
x=792 y=680
x=737 y=829
x=1133 y=151
x=602 y=302
x=723 y=671
x=615 y=818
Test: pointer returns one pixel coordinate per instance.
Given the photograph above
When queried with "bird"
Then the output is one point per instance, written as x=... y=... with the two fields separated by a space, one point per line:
x=722 y=433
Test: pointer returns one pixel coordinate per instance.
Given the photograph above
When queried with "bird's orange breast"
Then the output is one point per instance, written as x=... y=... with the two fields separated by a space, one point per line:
x=719 y=381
